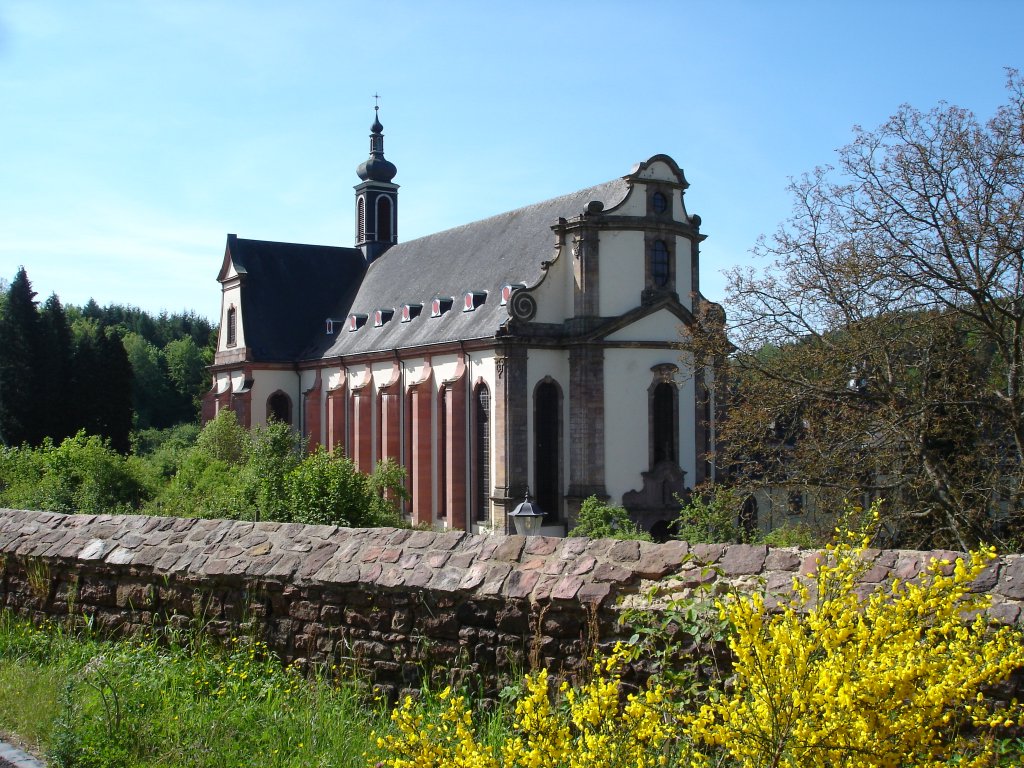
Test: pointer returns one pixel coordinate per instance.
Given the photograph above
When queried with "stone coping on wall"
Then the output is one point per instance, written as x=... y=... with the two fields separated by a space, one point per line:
x=538 y=569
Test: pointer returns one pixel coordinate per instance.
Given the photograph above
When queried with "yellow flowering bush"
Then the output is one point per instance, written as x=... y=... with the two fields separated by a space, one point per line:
x=593 y=725
x=891 y=679
x=834 y=677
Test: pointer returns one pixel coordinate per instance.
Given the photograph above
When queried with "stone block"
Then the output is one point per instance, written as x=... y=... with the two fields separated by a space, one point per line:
x=743 y=559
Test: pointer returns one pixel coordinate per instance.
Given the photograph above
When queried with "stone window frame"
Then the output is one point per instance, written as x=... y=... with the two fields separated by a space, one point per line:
x=384 y=219
x=280 y=396
x=667 y=192
x=441 y=451
x=651 y=238
x=231 y=330
x=551 y=516
x=482 y=434
x=662 y=374
x=361 y=219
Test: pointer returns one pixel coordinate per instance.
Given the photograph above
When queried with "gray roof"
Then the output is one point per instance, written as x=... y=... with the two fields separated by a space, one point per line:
x=288 y=290
x=482 y=256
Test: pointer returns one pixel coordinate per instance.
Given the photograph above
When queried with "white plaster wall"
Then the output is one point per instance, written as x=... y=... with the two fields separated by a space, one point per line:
x=231 y=297
x=660 y=326
x=382 y=373
x=554 y=294
x=684 y=271
x=223 y=382
x=414 y=369
x=266 y=383
x=332 y=378
x=679 y=206
x=658 y=170
x=444 y=369
x=635 y=203
x=622 y=271
x=627 y=380
x=358 y=375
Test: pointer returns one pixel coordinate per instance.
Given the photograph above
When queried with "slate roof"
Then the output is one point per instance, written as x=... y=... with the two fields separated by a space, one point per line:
x=482 y=256
x=288 y=290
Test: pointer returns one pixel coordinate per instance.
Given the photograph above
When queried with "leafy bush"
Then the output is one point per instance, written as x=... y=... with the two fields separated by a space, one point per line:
x=224 y=439
x=328 y=490
x=82 y=474
x=711 y=518
x=600 y=521
x=274 y=451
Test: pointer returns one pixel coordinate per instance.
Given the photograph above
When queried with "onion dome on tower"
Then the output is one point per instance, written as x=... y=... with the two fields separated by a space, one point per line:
x=376 y=198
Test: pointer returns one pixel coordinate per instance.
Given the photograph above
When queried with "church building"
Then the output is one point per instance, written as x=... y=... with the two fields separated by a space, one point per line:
x=534 y=350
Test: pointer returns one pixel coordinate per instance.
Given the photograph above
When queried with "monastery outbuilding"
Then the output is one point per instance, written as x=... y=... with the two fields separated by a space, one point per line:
x=534 y=349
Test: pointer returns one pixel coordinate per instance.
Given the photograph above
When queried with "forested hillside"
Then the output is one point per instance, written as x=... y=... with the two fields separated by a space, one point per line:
x=106 y=370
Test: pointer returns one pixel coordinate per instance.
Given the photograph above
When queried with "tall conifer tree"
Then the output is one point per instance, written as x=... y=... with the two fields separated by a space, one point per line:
x=20 y=376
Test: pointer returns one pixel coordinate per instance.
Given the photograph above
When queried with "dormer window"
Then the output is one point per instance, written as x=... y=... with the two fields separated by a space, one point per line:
x=473 y=299
x=409 y=311
x=330 y=327
x=506 y=291
x=381 y=316
x=440 y=305
x=232 y=324
x=355 y=322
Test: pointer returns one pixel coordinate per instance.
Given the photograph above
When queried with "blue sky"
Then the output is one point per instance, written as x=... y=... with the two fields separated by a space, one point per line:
x=135 y=135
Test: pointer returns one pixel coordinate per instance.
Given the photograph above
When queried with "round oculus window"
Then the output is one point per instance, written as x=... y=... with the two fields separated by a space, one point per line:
x=659 y=203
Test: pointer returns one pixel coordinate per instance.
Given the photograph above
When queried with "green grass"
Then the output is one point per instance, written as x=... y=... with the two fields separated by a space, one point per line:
x=84 y=703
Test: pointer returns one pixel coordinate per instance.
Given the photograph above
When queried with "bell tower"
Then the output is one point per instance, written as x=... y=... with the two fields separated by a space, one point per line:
x=376 y=198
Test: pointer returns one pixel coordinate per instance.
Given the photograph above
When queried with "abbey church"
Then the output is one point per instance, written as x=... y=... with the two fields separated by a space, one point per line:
x=536 y=349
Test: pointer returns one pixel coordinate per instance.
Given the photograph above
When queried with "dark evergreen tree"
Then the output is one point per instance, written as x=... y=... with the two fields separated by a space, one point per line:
x=56 y=361
x=102 y=381
x=116 y=407
x=20 y=332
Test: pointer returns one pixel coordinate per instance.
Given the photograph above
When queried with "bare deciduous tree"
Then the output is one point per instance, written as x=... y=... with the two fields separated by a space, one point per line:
x=882 y=351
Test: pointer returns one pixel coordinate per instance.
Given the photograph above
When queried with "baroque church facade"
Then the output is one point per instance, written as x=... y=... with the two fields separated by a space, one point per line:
x=534 y=350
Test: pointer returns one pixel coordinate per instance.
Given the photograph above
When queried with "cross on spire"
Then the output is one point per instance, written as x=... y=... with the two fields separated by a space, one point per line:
x=376 y=102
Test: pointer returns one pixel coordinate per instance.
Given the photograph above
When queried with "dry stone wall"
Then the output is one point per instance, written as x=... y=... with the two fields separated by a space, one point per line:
x=400 y=605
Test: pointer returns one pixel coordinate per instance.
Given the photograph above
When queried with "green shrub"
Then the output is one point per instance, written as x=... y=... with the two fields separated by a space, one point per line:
x=325 y=490
x=600 y=521
x=82 y=474
x=224 y=439
x=274 y=451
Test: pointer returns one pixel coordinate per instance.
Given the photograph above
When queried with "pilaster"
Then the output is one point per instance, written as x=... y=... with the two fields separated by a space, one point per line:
x=509 y=436
x=586 y=427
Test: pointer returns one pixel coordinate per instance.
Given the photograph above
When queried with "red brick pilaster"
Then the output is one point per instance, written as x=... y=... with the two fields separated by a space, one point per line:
x=362 y=426
x=456 y=468
x=421 y=399
x=337 y=402
x=311 y=414
x=241 y=404
x=389 y=444
x=209 y=411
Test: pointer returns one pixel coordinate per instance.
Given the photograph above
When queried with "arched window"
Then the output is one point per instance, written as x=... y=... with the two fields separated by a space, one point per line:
x=663 y=423
x=384 y=219
x=232 y=323
x=482 y=451
x=279 y=408
x=659 y=264
x=361 y=220
x=547 y=428
x=442 y=454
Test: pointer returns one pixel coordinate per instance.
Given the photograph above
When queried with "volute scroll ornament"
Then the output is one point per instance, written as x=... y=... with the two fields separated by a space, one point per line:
x=523 y=306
